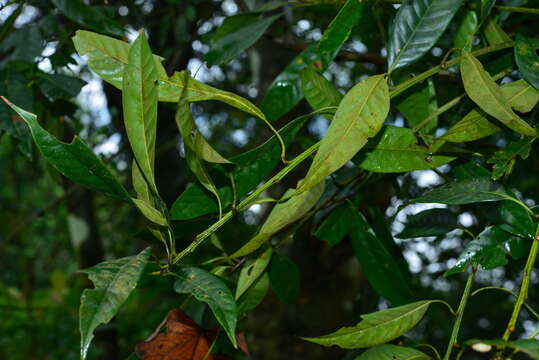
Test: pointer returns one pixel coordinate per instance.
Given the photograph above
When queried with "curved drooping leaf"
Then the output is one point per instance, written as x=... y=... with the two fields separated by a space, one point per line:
x=418 y=105
x=150 y=212
x=494 y=33
x=504 y=158
x=473 y=126
x=529 y=347
x=396 y=149
x=466 y=31
x=394 y=352
x=282 y=215
x=527 y=59
x=521 y=95
x=431 y=222
x=416 y=28
x=319 y=92
x=378 y=265
x=359 y=117
x=285 y=278
x=487 y=95
x=337 y=225
x=251 y=271
x=76 y=160
x=254 y=295
x=341 y=26
x=376 y=328
x=114 y=281
x=251 y=168
x=211 y=290
x=229 y=46
x=86 y=15
x=467 y=191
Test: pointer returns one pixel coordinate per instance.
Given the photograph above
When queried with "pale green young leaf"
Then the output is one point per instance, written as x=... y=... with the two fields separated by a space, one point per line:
x=251 y=271
x=494 y=33
x=114 y=281
x=521 y=95
x=487 y=95
x=393 y=352
x=359 y=117
x=472 y=126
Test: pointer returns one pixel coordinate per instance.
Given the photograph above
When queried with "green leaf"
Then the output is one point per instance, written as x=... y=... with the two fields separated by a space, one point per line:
x=377 y=264
x=139 y=98
x=505 y=158
x=359 y=117
x=282 y=215
x=75 y=160
x=521 y=95
x=319 y=92
x=88 y=16
x=114 y=281
x=393 y=352
x=285 y=278
x=431 y=222
x=376 y=328
x=211 y=290
x=396 y=149
x=487 y=250
x=232 y=24
x=336 y=226
x=419 y=105
x=466 y=31
x=251 y=271
x=58 y=86
x=529 y=347
x=494 y=33
x=150 y=212
x=341 y=26
x=416 y=28
x=254 y=295
x=473 y=126
x=527 y=59
x=519 y=220
x=484 y=7
x=467 y=191
x=229 y=46
x=487 y=95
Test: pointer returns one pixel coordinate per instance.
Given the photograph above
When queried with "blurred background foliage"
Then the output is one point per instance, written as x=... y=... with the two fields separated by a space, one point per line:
x=50 y=227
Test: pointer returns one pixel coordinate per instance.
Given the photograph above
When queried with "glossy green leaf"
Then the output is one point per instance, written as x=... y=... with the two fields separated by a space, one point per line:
x=505 y=158
x=396 y=149
x=473 y=126
x=254 y=295
x=89 y=16
x=285 y=278
x=251 y=271
x=283 y=214
x=58 y=86
x=467 y=191
x=341 y=26
x=521 y=95
x=319 y=92
x=416 y=28
x=494 y=33
x=76 y=160
x=431 y=222
x=487 y=95
x=529 y=347
x=377 y=264
x=150 y=212
x=519 y=220
x=139 y=97
x=229 y=46
x=211 y=290
x=359 y=117
x=376 y=328
x=336 y=226
x=393 y=352
x=418 y=105
x=527 y=59
x=466 y=31
x=251 y=168
x=114 y=281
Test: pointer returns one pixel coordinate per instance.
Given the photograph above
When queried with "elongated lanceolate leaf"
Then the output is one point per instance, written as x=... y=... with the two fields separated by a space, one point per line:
x=527 y=59
x=85 y=15
x=232 y=44
x=76 y=160
x=393 y=352
x=251 y=271
x=340 y=28
x=487 y=95
x=150 y=212
x=376 y=328
x=211 y=290
x=416 y=28
x=472 y=126
x=466 y=31
x=114 y=281
x=140 y=98
x=282 y=215
x=431 y=222
x=254 y=295
x=396 y=149
x=319 y=92
x=359 y=117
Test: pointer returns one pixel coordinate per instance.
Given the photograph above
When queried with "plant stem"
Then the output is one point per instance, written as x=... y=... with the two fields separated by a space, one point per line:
x=523 y=292
x=522 y=10
x=460 y=313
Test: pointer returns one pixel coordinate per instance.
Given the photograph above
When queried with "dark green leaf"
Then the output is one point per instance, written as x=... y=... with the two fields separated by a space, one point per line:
x=504 y=158
x=88 y=16
x=484 y=7
x=284 y=278
x=211 y=290
x=416 y=28
x=518 y=218
x=527 y=59
x=254 y=295
x=340 y=28
x=57 y=86
x=431 y=222
x=251 y=271
x=336 y=226
x=319 y=92
x=418 y=105
x=229 y=46
x=393 y=352
x=75 y=160
x=466 y=31
x=114 y=281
